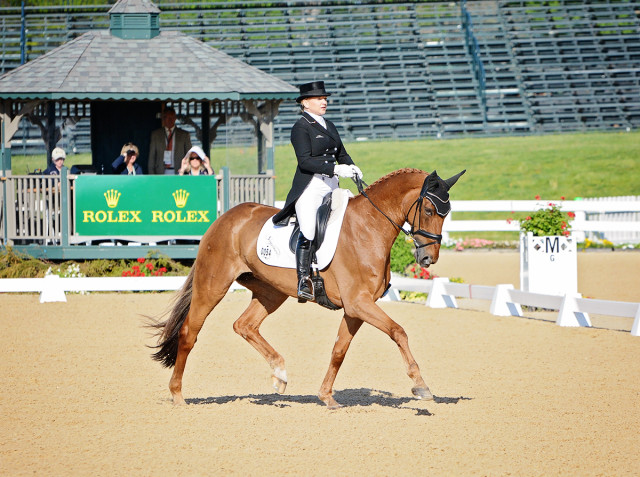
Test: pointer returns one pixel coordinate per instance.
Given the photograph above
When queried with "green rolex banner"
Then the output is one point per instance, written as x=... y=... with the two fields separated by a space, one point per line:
x=145 y=205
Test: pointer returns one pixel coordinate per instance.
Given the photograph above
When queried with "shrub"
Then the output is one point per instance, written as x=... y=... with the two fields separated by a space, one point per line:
x=402 y=254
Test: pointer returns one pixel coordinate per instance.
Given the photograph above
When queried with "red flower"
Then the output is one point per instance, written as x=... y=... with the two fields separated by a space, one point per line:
x=571 y=215
x=537 y=197
x=561 y=197
x=140 y=260
x=162 y=269
x=509 y=220
x=136 y=268
x=149 y=266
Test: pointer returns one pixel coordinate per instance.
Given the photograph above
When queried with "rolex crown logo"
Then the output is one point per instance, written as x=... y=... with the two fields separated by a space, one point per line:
x=180 y=196
x=112 y=196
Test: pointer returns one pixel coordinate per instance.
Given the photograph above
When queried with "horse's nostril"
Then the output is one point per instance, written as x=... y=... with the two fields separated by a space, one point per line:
x=426 y=261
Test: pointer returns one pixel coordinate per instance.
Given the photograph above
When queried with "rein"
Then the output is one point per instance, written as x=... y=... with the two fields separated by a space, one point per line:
x=437 y=238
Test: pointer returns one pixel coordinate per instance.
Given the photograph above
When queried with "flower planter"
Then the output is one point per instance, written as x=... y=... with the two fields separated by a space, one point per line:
x=548 y=265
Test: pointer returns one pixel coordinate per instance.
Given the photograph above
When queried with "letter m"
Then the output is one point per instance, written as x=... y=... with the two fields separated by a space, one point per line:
x=552 y=244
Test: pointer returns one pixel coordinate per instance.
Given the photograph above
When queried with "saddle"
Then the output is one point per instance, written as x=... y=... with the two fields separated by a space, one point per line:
x=322 y=220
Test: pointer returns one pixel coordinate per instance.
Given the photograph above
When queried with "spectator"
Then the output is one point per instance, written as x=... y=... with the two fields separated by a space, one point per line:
x=57 y=162
x=196 y=163
x=125 y=164
x=168 y=145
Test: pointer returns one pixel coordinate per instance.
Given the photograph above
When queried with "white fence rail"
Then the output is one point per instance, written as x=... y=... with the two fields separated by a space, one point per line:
x=602 y=217
x=505 y=300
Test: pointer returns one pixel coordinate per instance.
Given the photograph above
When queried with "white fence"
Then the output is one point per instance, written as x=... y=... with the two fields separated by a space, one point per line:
x=603 y=217
x=505 y=300
x=616 y=236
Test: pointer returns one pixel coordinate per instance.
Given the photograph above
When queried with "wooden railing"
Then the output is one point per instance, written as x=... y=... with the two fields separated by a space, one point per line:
x=33 y=210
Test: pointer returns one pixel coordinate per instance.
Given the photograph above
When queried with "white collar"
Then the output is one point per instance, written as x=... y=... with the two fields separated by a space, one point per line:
x=320 y=120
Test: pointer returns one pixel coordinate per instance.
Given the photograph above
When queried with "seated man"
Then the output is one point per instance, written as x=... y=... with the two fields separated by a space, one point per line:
x=57 y=161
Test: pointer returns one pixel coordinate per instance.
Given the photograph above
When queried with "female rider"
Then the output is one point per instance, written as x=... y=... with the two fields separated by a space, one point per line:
x=322 y=158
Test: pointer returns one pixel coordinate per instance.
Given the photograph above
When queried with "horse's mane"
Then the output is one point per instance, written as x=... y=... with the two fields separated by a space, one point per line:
x=406 y=170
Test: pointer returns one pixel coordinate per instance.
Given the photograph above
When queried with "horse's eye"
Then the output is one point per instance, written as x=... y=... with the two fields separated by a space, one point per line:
x=428 y=212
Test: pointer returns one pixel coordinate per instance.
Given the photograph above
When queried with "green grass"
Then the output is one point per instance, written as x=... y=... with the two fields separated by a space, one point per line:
x=552 y=166
x=569 y=165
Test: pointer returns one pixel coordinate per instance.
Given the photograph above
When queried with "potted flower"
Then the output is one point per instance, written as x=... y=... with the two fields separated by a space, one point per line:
x=548 y=260
x=549 y=221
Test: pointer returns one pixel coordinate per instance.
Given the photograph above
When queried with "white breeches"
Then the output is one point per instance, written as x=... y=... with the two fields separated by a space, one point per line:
x=308 y=203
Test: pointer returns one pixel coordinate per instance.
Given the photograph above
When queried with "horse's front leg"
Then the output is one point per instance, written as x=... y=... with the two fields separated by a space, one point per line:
x=369 y=312
x=348 y=328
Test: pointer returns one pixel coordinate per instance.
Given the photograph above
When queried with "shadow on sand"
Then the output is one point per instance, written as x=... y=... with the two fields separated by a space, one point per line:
x=346 y=397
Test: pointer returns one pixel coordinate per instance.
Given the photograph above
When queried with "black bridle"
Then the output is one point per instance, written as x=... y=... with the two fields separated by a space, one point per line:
x=437 y=238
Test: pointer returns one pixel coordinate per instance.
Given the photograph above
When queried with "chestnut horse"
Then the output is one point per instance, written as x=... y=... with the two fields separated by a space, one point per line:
x=358 y=275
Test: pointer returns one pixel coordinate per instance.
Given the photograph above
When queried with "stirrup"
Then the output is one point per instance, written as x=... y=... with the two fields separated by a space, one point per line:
x=302 y=294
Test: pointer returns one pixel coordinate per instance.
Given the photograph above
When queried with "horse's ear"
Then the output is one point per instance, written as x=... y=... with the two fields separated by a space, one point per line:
x=452 y=180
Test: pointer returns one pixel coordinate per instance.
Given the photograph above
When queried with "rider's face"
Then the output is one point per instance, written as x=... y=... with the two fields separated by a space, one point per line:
x=317 y=105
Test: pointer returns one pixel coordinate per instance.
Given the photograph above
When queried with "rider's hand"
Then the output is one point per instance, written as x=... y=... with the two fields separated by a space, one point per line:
x=343 y=170
x=356 y=172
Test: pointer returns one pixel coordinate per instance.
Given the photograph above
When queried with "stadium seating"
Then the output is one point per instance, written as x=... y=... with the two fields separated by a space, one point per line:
x=405 y=69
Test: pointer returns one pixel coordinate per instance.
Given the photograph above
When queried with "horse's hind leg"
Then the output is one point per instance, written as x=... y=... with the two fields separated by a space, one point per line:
x=348 y=328
x=203 y=300
x=265 y=301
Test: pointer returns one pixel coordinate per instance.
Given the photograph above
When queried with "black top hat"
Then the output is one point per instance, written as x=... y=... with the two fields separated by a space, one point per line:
x=312 y=90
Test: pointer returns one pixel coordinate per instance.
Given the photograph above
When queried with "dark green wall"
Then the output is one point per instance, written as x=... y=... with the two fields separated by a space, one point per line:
x=115 y=123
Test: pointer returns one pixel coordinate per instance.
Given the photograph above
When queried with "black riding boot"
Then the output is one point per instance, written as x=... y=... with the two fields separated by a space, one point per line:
x=303 y=267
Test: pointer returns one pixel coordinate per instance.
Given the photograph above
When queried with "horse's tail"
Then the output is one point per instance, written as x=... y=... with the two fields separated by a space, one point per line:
x=168 y=331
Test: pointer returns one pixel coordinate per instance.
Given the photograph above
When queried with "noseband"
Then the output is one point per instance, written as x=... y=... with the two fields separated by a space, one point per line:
x=437 y=238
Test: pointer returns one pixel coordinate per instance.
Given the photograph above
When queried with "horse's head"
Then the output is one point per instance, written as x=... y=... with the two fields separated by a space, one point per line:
x=428 y=215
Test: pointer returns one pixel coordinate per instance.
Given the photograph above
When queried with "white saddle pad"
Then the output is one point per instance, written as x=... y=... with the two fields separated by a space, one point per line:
x=273 y=241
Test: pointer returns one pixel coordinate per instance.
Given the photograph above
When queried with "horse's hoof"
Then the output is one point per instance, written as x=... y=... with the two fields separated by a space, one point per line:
x=279 y=385
x=279 y=378
x=178 y=400
x=330 y=402
x=422 y=393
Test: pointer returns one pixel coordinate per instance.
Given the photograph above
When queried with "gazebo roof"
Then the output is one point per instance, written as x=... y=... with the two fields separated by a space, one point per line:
x=100 y=65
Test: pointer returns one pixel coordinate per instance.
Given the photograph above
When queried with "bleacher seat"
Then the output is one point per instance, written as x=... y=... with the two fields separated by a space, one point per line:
x=403 y=69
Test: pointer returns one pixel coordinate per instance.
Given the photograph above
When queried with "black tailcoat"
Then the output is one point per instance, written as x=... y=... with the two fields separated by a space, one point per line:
x=318 y=150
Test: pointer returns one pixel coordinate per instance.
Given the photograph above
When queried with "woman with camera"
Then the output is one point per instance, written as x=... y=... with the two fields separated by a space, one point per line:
x=125 y=164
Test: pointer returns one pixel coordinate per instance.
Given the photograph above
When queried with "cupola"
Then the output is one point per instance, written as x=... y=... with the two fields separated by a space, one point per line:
x=134 y=20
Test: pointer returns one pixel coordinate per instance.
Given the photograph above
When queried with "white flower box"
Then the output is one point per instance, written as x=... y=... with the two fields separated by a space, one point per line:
x=548 y=264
